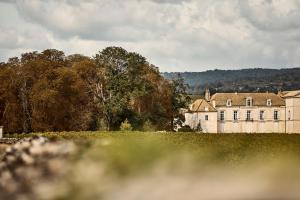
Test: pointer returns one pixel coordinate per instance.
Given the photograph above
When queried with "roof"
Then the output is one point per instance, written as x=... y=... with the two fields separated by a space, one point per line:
x=201 y=105
x=239 y=99
x=287 y=94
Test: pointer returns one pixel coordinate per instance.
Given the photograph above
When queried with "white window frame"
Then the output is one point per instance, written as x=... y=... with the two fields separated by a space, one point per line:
x=228 y=103
x=206 y=117
x=276 y=116
x=249 y=99
x=222 y=115
x=235 y=115
x=248 y=115
x=269 y=102
x=261 y=115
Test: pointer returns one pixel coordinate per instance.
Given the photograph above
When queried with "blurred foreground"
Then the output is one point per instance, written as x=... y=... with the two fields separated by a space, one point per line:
x=150 y=166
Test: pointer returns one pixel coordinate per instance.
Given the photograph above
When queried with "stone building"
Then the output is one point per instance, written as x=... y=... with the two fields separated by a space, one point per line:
x=292 y=103
x=202 y=115
x=246 y=113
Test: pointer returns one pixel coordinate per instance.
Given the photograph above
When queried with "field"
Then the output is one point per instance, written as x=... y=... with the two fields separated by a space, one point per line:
x=136 y=165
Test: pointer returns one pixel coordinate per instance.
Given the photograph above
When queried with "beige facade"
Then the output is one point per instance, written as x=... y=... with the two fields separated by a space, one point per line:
x=246 y=113
x=292 y=100
x=202 y=115
x=205 y=119
x=253 y=124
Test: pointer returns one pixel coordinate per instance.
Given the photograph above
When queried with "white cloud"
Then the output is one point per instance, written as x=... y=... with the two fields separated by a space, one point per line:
x=176 y=35
x=272 y=15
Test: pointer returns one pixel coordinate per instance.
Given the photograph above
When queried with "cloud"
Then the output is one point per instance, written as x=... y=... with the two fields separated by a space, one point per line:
x=118 y=20
x=177 y=35
x=8 y=39
x=272 y=15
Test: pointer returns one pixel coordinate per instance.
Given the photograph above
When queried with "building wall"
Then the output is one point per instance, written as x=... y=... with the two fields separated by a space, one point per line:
x=255 y=125
x=208 y=126
x=293 y=115
x=288 y=122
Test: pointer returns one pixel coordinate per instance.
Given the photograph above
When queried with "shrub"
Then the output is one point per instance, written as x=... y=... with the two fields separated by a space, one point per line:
x=199 y=128
x=148 y=126
x=126 y=126
x=185 y=128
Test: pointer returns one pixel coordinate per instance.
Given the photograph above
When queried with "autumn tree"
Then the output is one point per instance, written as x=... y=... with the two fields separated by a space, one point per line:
x=59 y=102
x=10 y=105
x=49 y=91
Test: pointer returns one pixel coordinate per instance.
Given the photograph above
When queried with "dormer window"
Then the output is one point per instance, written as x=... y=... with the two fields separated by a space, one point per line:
x=269 y=102
x=229 y=102
x=248 y=101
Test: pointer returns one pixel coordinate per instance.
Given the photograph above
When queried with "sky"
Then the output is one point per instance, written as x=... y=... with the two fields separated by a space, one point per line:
x=175 y=35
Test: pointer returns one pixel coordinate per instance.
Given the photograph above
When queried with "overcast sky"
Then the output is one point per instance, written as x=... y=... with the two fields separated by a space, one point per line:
x=175 y=35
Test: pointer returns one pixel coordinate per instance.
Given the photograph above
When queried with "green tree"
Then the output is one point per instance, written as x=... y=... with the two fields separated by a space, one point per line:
x=180 y=98
x=123 y=85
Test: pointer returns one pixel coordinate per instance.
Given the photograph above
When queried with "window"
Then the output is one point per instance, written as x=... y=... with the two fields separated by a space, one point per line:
x=289 y=115
x=235 y=115
x=248 y=117
x=249 y=101
x=269 y=102
x=229 y=102
x=262 y=115
x=222 y=114
x=276 y=115
x=206 y=117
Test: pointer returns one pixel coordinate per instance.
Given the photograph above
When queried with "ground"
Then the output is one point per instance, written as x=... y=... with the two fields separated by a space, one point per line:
x=137 y=165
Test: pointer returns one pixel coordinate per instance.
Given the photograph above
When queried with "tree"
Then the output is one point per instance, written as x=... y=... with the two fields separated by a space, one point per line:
x=180 y=98
x=60 y=102
x=124 y=84
x=10 y=105
x=49 y=91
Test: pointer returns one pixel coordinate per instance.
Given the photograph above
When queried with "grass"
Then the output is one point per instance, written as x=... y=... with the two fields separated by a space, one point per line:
x=132 y=147
x=115 y=157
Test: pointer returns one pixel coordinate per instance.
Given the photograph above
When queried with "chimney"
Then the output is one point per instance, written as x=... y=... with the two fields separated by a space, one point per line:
x=207 y=94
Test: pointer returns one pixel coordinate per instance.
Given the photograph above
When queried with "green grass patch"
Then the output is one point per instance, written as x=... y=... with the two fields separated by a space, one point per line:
x=151 y=161
x=130 y=152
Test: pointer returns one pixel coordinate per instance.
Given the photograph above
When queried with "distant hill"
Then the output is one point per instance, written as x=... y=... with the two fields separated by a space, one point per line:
x=246 y=80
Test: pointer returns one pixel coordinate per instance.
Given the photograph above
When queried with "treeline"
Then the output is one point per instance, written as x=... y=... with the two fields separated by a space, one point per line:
x=244 y=80
x=49 y=91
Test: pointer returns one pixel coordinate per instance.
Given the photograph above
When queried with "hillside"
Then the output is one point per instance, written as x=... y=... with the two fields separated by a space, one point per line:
x=247 y=80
